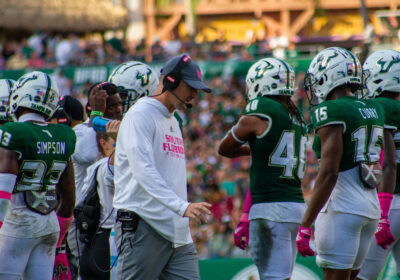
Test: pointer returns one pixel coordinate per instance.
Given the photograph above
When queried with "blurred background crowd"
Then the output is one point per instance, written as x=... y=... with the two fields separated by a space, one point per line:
x=48 y=50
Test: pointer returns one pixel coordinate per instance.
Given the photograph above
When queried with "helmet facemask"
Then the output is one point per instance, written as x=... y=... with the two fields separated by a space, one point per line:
x=128 y=97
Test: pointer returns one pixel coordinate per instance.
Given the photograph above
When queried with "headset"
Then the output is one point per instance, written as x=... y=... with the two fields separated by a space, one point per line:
x=172 y=79
x=62 y=116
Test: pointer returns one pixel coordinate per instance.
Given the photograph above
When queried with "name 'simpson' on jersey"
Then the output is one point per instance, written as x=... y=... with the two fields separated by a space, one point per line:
x=55 y=148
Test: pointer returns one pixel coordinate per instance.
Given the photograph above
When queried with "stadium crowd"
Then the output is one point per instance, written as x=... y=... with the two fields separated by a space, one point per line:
x=48 y=50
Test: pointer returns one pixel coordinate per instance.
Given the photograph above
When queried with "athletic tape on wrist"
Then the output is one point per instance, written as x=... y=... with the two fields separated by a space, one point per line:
x=235 y=137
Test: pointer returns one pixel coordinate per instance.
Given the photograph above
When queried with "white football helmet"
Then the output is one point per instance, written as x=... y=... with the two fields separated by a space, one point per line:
x=134 y=79
x=6 y=88
x=330 y=68
x=382 y=72
x=36 y=91
x=270 y=76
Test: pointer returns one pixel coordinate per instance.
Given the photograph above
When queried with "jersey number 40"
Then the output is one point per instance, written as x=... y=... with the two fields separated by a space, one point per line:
x=284 y=155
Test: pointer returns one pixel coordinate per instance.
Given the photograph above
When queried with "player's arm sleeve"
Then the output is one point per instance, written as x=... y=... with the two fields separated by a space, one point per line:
x=8 y=177
x=327 y=114
x=12 y=138
x=11 y=147
x=138 y=137
x=86 y=149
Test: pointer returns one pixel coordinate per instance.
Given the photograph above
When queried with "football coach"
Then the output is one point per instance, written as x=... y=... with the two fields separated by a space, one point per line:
x=152 y=228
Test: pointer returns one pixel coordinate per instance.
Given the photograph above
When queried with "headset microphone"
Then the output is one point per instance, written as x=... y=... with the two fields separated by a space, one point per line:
x=187 y=104
x=173 y=77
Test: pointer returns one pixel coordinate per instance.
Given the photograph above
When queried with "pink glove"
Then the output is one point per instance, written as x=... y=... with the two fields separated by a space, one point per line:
x=303 y=242
x=242 y=230
x=383 y=235
x=61 y=267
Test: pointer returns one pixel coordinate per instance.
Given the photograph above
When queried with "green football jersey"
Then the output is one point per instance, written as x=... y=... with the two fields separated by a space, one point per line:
x=179 y=119
x=277 y=156
x=391 y=109
x=44 y=151
x=363 y=122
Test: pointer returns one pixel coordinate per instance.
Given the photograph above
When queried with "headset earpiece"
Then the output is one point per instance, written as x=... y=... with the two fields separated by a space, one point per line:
x=62 y=116
x=172 y=79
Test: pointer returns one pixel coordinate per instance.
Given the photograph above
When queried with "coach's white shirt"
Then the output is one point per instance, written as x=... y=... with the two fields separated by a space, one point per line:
x=150 y=170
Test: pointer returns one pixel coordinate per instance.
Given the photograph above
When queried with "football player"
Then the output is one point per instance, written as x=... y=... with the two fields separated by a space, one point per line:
x=382 y=81
x=273 y=128
x=6 y=87
x=348 y=141
x=134 y=80
x=35 y=166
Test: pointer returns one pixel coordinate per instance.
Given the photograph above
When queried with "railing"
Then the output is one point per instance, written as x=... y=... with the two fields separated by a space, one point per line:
x=204 y=7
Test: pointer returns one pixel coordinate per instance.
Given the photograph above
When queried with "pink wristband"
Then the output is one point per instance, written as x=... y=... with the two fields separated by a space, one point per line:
x=64 y=226
x=5 y=195
x=385 y=199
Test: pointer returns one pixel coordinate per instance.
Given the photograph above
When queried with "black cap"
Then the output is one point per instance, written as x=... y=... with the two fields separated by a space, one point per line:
x=72 y=107
x=191 y=73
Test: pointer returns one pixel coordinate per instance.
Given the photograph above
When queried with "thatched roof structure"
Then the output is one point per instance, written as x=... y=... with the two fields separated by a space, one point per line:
x=63 y=15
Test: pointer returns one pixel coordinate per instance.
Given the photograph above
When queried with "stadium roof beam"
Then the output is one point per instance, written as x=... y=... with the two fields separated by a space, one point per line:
x=284 y=27
x=63 y=15
x=215 y=7
x=281 y=17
